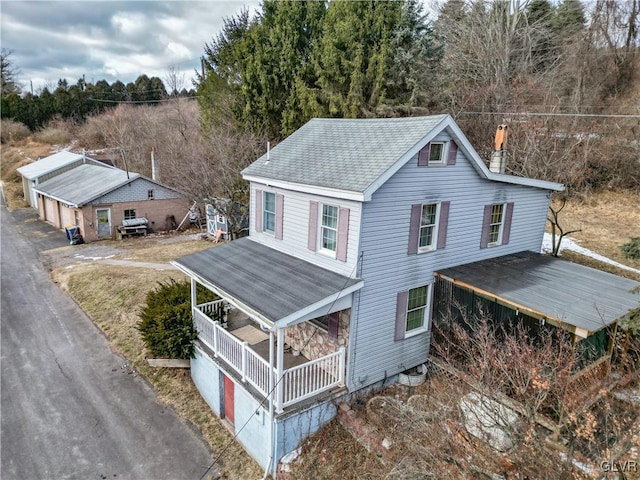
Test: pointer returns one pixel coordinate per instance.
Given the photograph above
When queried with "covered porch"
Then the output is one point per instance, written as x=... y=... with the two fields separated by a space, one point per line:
x=256 y=330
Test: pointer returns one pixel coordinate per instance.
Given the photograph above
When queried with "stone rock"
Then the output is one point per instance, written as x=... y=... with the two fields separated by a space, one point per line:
x=488 y=420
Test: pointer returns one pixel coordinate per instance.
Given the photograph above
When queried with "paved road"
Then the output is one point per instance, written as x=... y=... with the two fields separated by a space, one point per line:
x=69 y=410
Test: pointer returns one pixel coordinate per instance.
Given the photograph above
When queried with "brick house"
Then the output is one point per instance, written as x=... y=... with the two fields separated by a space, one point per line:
x=98 y=199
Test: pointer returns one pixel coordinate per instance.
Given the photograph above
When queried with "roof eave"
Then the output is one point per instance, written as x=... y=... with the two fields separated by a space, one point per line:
x=268 y=323
x=305 y=188
x=526 y=181
x=329 y=300
x=61 y=200
x=557 y=322
x=479 y=165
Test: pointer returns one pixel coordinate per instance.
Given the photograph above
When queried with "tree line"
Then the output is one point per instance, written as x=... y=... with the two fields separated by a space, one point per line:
x=563 y=75
x=553 y=71
x=75 y=102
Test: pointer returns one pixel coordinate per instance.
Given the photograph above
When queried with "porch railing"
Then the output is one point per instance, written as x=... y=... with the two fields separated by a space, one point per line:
x=297 y=383
x=312 y=378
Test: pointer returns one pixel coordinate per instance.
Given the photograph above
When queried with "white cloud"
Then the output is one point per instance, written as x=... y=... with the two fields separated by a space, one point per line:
x=129 y=24
x=110 y=40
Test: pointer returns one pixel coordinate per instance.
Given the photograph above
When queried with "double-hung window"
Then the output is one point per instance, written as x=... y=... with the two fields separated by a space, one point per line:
x=412 y=312
x=496 y=223
x=269 y=212
x=428 y=227
x=329 y=228
x=129 y=214
x=416 y=308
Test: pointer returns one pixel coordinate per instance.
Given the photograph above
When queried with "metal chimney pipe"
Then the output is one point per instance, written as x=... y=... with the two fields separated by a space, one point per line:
x=155 y=168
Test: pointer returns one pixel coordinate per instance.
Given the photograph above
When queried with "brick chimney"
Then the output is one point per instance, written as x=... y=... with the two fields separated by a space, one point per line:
x=499 y=156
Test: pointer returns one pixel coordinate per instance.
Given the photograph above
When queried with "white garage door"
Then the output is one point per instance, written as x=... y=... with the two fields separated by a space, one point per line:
x=49 y=209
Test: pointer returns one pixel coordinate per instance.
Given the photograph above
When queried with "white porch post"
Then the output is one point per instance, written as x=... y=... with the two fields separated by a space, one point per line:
x=194 y=298
x=271 y=371
x=279 y=371
x=341 y=365
x=245 y=347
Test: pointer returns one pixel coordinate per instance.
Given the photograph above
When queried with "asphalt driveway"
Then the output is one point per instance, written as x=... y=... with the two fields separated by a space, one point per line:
x=70 y=408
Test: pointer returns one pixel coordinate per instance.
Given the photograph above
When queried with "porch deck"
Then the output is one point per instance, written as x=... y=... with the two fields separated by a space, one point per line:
x=238 y=325
x=245 y=348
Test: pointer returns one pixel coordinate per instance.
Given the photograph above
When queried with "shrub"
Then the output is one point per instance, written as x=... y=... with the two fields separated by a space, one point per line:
x=12 y=131
x=631 y=249
x=57 y=132
x=166 y=323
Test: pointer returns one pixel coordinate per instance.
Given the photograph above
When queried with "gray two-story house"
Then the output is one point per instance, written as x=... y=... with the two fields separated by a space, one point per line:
x=332 y=291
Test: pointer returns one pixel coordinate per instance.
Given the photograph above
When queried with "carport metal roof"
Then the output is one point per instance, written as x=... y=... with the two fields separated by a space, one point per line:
x=48 y=164
x=577 y=298
x=84 y=183
x=276 y=288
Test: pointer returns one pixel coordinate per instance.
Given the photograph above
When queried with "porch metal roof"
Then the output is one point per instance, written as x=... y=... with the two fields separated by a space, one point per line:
x=565 y=293
x=276 y=286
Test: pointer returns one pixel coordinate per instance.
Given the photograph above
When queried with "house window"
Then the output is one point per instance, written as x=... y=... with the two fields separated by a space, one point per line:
x=495 y=225
x=416 y=308
x=269 y=212
x=129 y=214
x=329 y=323
x=329 y=228
x=150 y=194
x=428 y=227
x=436 y=153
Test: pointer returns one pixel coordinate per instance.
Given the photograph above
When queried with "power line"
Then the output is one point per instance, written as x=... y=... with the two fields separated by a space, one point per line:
x=142 y=101
x=542 y=114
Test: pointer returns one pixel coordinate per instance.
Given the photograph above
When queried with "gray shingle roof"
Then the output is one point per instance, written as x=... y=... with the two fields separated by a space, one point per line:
x=272 y=283
x=344 y=154
x=84 y=183
x=580 y=296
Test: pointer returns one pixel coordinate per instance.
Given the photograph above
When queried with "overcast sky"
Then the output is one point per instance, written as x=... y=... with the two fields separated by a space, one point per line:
x=109 y=40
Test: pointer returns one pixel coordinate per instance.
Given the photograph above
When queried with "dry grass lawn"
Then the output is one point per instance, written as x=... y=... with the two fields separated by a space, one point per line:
x=606 y=221
x=13 y=157
x=161 y=249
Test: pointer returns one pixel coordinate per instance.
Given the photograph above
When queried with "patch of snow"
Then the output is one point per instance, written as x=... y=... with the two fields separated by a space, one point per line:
x=572 y=245
x=288 y=459
x=586 y=468
x=83 y=257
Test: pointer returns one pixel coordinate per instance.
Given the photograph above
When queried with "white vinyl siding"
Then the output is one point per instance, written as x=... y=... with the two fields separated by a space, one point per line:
x=387 y=269
x=295 y=225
